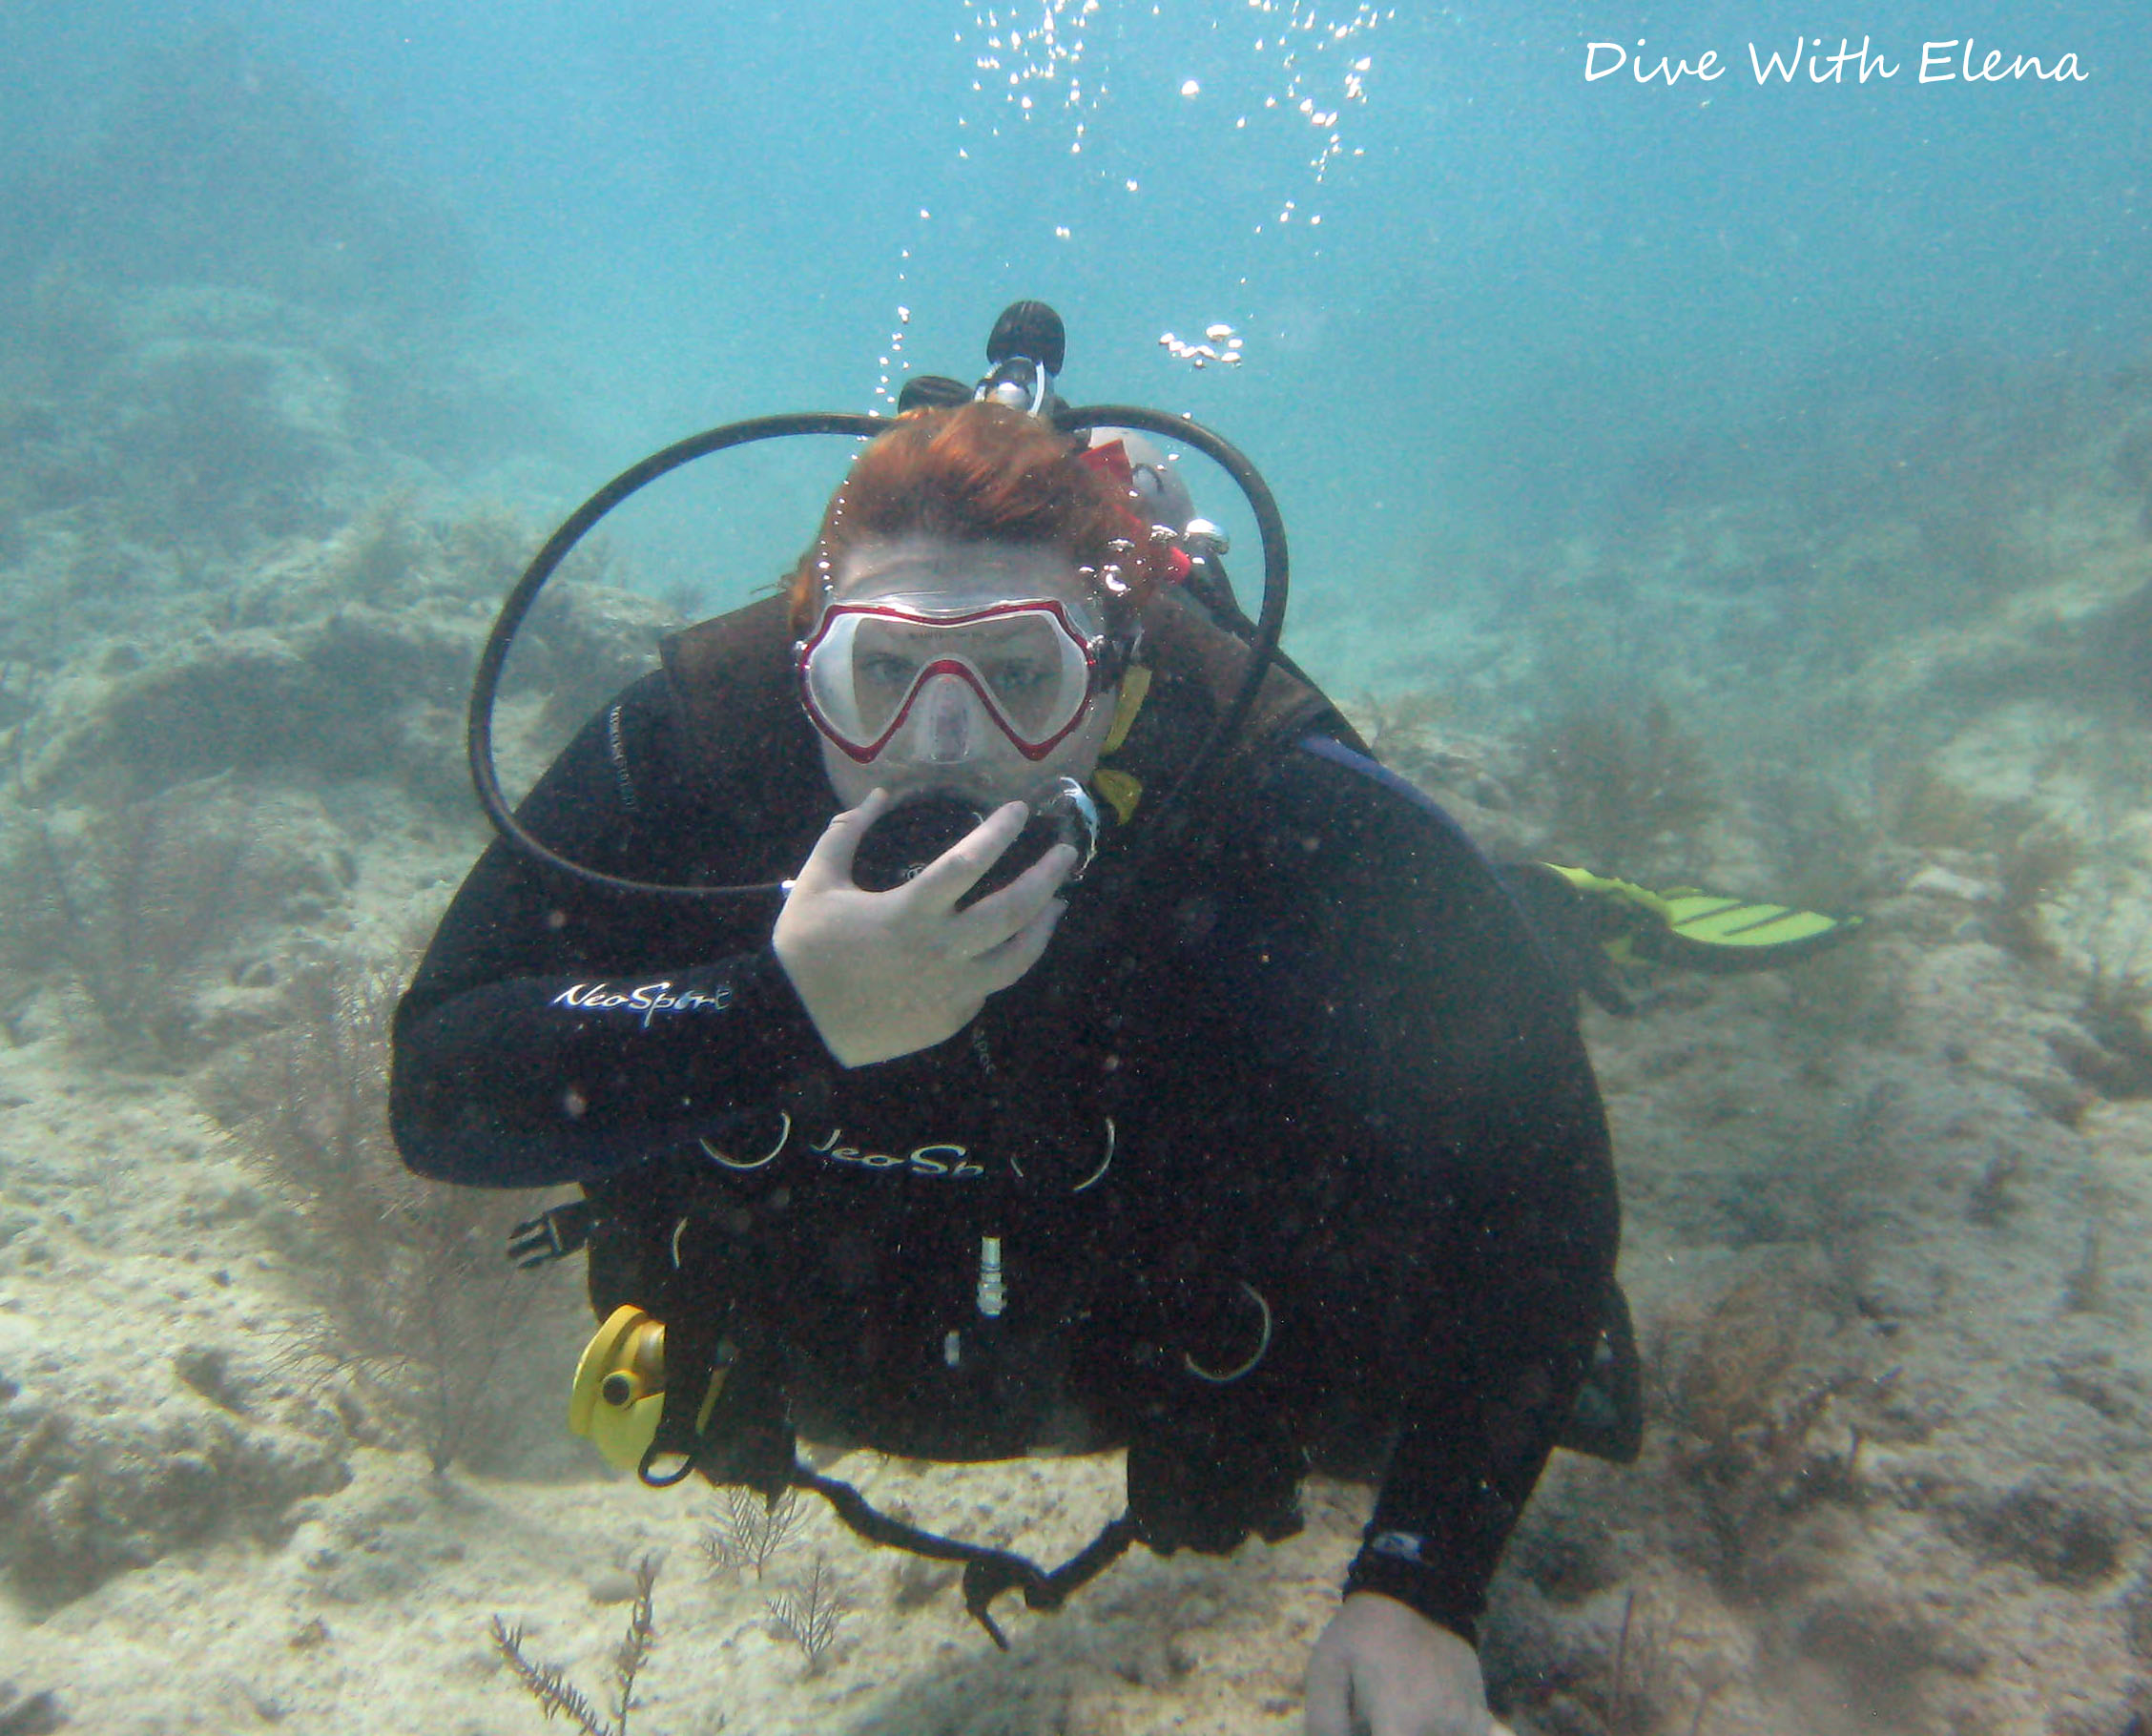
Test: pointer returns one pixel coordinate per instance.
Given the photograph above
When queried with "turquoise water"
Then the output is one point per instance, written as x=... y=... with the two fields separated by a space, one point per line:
x=1532 y=295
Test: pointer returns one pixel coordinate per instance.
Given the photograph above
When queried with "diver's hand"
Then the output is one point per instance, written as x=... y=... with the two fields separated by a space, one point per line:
x=887 y=973
x=1382 y=1668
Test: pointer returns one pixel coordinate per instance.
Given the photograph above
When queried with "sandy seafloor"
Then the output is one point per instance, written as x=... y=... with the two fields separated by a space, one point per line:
x=1886 y=1214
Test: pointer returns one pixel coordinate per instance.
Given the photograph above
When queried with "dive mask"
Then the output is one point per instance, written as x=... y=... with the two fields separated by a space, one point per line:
x=875 y=670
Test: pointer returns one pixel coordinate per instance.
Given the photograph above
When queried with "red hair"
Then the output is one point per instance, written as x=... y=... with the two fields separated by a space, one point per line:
x=982 y=472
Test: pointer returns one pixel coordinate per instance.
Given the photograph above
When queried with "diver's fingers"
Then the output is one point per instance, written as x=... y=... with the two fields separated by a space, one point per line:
x=829 y=865
x=1007 y=963
x=1001 y=915
x=961 y=867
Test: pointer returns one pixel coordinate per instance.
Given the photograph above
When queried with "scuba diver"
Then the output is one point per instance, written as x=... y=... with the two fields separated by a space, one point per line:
x=993 y=1003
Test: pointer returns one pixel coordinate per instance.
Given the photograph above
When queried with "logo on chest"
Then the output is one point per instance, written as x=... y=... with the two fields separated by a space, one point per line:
x=950 y=1161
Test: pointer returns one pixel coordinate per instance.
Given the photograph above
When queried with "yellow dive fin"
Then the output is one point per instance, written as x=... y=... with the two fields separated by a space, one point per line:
x=1702 y=930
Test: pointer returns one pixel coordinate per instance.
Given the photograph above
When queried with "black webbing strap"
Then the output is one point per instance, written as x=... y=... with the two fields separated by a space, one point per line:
x=745 y=1440
x=987 y=1573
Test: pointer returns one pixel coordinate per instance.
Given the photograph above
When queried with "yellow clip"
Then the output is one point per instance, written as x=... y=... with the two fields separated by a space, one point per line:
x=1123 y=788
x=1135 y=685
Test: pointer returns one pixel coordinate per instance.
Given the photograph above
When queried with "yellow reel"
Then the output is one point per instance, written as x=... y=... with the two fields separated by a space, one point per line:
x=619 y=1390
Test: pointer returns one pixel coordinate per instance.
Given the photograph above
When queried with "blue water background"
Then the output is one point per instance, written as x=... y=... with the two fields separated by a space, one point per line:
x=1535 y=305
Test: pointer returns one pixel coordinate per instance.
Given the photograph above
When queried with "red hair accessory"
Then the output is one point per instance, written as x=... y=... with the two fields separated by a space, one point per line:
x=1110 y=459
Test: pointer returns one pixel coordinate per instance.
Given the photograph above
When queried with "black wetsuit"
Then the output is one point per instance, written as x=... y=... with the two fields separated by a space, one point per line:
x=1312 y=1078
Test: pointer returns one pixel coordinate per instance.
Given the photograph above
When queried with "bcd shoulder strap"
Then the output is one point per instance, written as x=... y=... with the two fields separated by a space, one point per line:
x=1185 y=643
x=1197 y=667
x=742 y=729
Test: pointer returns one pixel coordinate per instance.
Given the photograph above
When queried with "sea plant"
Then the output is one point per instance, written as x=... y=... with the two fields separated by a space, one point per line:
x=413 y=1295
x=132 y=901
x=548 y=1683
x=752 y=1530
x=1638 y=1693
x=1620 y=779
x=811 y=1613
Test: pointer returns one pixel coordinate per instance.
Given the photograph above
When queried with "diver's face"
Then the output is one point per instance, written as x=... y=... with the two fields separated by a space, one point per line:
x=957 y=669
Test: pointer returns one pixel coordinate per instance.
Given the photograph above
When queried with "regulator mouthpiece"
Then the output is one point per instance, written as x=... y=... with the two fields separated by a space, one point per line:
x=904 y=842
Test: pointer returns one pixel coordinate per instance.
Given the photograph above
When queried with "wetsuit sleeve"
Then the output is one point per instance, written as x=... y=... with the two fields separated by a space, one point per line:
x=1453 y=1048
x=555 y=1033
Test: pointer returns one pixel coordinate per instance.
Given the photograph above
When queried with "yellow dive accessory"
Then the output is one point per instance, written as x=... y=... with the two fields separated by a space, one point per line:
x=619 y=1391
x=1704 y=930
x=1124 y=790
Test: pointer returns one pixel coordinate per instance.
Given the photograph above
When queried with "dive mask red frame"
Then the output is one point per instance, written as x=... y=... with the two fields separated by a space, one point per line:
x=826 y=664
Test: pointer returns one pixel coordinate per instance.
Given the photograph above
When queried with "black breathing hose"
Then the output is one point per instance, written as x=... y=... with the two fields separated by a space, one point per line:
x=1270 y=528
x=493 y=658
x=485 y=685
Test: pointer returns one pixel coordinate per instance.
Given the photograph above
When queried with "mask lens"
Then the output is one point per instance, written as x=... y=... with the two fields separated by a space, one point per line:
x=865 y=668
